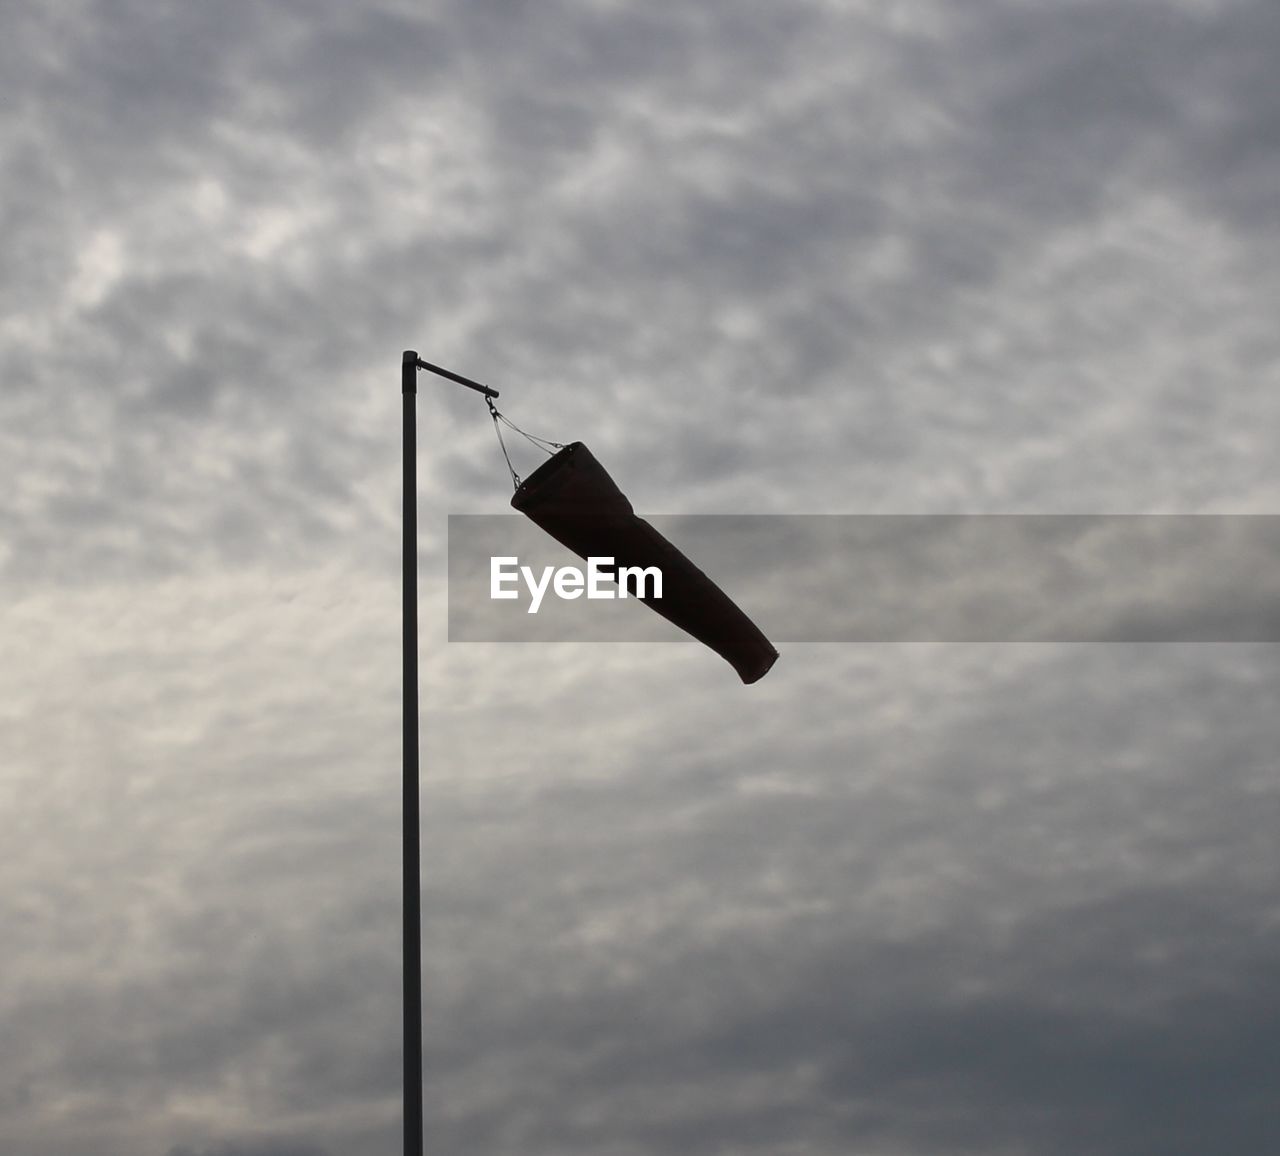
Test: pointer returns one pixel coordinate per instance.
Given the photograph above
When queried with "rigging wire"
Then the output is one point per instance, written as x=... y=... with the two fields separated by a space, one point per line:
x=547 y=446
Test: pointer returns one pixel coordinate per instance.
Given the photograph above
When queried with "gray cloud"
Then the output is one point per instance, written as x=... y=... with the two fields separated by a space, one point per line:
x=956 y=934
x=265 y=1148
x=834 y=259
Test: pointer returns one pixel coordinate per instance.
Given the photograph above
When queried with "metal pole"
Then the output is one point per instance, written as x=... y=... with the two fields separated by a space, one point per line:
x=411 y=883
x=454 y=376
x=412 y=886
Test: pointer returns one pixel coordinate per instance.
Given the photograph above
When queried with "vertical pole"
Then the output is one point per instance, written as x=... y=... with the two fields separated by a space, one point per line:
x=411 y=882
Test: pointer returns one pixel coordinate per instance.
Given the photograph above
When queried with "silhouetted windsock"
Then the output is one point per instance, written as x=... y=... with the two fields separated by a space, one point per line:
x=573 y=499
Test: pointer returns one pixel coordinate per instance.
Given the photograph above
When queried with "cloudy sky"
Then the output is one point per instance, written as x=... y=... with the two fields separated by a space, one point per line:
x=821 y=256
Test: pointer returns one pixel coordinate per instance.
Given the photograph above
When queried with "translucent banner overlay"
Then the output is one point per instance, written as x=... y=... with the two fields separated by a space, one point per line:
x=903 y=578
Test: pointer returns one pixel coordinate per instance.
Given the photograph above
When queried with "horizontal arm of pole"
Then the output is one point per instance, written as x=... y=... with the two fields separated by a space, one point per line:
x=458 y=378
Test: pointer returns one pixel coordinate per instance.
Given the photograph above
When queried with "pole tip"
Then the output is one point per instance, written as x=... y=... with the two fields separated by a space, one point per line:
x=409 y=371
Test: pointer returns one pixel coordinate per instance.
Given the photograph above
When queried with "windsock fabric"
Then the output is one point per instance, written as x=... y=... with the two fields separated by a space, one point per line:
x=573 y=498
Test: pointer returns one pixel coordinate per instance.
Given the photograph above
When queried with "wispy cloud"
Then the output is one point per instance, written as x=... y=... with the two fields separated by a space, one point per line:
x=831 y=258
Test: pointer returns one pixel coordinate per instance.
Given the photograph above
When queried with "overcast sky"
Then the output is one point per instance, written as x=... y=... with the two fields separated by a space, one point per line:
x=852 y=256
